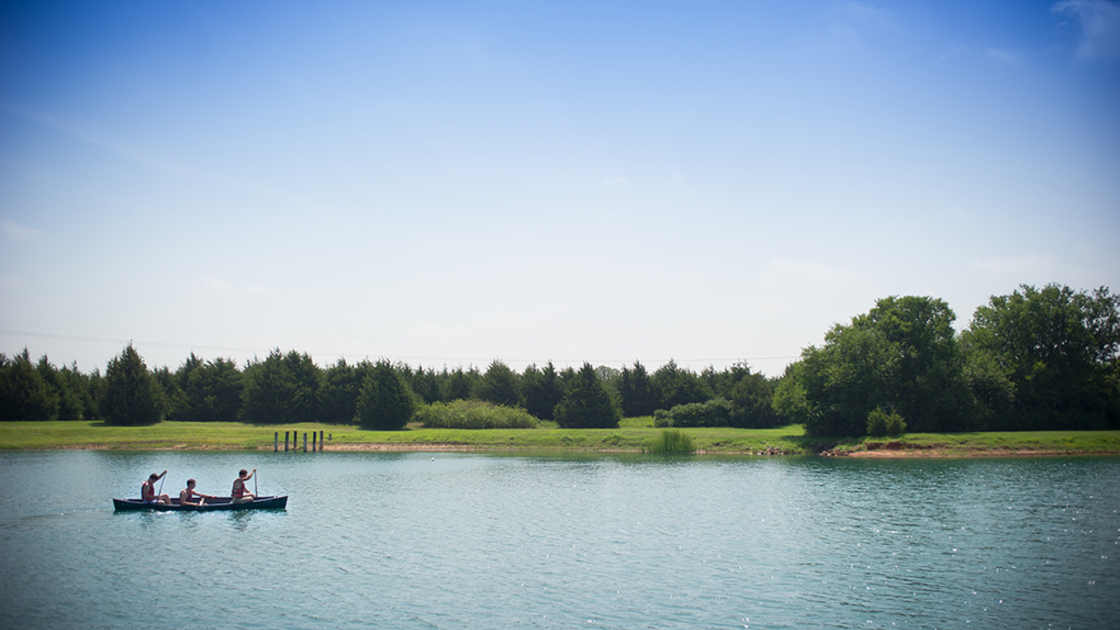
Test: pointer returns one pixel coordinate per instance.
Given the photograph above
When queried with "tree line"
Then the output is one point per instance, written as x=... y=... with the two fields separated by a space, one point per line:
x=1035 y=359
x=285 y=388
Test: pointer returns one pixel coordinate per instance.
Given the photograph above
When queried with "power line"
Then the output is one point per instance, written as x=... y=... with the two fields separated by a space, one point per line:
x=336 y=355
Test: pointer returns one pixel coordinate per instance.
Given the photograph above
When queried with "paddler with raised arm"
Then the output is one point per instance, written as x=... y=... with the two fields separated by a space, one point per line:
x=240 y=491
x=148 y=491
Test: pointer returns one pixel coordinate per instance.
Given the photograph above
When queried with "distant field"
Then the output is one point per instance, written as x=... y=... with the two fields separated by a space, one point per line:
x=634 y=434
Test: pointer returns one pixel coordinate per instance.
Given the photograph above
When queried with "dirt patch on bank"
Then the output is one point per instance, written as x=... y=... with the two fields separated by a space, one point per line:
x=447 y=448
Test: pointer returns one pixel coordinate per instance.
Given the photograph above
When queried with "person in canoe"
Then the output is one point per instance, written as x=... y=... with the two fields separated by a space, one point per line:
x=240 y=491
x=186 y=497
x=148 y=491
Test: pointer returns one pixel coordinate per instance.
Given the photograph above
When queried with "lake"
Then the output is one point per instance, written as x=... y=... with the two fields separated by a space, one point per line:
x=422 y=540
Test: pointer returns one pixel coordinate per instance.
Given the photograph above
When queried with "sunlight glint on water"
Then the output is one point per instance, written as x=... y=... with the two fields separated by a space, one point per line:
x=476 y=541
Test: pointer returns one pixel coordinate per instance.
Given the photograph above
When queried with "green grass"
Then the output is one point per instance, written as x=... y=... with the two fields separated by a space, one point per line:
x=993 y=443
x=633 y=435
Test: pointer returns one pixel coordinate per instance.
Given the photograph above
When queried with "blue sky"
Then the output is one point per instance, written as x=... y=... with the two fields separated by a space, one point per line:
x=448 y=183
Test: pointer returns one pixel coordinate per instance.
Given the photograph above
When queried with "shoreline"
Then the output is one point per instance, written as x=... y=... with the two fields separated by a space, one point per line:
x=633 y=436
x=914 y=452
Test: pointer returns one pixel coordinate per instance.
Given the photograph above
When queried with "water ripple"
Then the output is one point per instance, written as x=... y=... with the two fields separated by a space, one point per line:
x=468 y=541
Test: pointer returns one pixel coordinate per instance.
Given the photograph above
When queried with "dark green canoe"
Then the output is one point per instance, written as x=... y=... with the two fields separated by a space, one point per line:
x=219 y=503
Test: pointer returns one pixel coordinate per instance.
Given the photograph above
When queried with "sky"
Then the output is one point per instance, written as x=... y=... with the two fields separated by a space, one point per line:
x=453 y=183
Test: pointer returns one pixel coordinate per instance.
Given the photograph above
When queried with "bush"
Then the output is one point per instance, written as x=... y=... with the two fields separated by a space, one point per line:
x=473 y=414
x=714 y=413
x=877 y=423
x=895 y=424
x=672 y=442
x=880 y=423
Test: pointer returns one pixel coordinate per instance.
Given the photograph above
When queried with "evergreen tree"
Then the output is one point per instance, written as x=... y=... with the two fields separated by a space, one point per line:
x=75 y=400
x=460 y=384
x=385 y=403
x=282 y=389
x=498 y=385
x=541 y=391
x=212 y=391
x=189 y=381
x=174 y=400
x=587 y=403
x=24 y=393
x=307 y=379
x=426 y=384
x=223 y=386
x=130 y=394
x=269 y=390
x=636 y=392
x=678 y=386
x=62 y=390
x=752 y=402
x=338 y=397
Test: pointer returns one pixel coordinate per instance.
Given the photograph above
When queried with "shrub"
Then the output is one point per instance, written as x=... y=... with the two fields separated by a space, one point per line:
x=880 y=423
x=877 y=423
x=895 y=424
x=713 y=413
x=473 y=414
x=672 y=442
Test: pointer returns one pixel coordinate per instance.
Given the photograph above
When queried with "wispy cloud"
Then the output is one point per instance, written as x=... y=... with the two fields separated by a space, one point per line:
x=16 y=232
x=1100 y=27
x=114 y=147
x=158 y=163
x=854 y=17
x=865 y=11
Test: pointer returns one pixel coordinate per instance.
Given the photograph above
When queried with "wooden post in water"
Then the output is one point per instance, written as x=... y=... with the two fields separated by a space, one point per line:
x=312 y=441
x=305 y=441
x=275 y=441
x=321 y=444
x=285 y=441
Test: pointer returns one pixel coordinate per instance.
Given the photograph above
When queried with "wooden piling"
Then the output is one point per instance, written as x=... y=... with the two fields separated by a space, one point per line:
x=275 y=441
x=305 y=441
x=313 y=445
x=285 y=441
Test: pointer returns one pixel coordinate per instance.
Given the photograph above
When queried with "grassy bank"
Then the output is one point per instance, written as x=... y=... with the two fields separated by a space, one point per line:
x=984 y=444
x=634 y=435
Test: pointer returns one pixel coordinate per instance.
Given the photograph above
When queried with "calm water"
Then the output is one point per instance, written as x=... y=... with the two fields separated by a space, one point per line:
x=476 y=541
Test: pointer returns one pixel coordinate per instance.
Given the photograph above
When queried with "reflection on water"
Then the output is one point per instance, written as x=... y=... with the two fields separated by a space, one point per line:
x=467 y=541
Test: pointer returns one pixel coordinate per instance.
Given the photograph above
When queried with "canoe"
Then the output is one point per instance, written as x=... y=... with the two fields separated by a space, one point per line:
x=219 y=503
